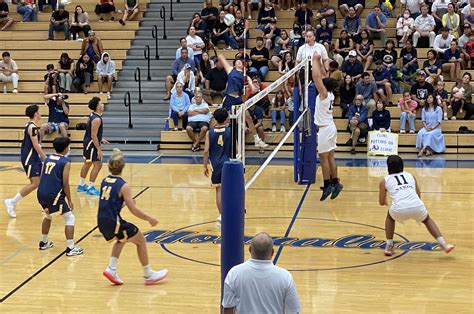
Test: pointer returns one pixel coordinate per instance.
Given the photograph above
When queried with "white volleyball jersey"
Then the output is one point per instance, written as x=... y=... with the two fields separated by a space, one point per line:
x=402 y=188
x=323 y=110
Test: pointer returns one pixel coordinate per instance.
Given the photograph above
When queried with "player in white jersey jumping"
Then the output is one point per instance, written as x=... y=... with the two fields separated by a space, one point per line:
x=406 y=203
x=327 y=133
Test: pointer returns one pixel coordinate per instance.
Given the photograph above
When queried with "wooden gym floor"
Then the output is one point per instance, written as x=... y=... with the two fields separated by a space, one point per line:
x=331 y=276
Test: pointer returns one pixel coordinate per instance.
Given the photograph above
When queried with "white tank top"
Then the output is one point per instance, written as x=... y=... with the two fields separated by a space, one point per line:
x=402 y=189
x=323 y=110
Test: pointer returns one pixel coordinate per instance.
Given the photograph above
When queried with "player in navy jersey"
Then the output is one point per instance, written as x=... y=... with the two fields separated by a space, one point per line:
x=31 y=156
x=92 y=150
x=114 y=192
x=54 y=195
x=217 y=151
x=234 y=91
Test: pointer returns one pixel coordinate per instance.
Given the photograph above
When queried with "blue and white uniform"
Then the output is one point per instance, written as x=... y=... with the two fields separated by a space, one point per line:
x=219 y=151
x=30 y=160
x=50 y=192
x=89 y=149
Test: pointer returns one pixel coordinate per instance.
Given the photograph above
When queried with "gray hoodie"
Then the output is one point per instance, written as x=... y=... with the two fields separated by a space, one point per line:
x=105 y=68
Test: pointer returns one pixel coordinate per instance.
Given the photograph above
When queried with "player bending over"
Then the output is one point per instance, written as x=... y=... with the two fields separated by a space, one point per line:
x=114 y=191
x=327 y=133
x=53 y=190
x=406 y=203
x=217 y=151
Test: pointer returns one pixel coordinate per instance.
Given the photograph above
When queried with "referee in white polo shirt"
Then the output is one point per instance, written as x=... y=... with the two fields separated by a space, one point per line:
x=258 y=286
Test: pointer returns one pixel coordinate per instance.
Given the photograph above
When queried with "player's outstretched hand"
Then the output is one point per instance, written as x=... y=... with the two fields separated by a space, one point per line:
x=153 y=221
x=104 y=141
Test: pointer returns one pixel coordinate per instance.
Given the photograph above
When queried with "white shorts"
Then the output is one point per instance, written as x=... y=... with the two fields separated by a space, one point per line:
x=418 y=213
x=327 y=138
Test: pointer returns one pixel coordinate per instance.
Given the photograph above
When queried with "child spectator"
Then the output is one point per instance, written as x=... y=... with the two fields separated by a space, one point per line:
x=65 y=70
x=457 y=98
x=441 y=97
x=381 y=117
x=278 y=110
x=84 y=74
x=409 y=59
x=80 y=23
x=105 y=72
x=405 y=25
x=51 y=80
x=130 y=11
x=324 y=34
x=407 y=112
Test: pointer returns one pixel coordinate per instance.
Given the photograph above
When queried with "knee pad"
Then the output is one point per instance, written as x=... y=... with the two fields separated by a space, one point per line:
x=69 y=219
x=48 y=216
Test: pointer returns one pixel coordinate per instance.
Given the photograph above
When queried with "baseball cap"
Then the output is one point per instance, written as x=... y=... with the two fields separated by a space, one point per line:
x=378 y=61
x=187 y=66
x=352 y=53
x=421 y=72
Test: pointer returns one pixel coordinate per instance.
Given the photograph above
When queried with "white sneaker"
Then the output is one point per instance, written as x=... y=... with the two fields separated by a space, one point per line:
x=74 y=251
x=260 y=143
x=15 y=91
x=445 y=116
x=156 y=276
x=10 y=207
x=453 y=118
x=282 y=129
x=274 y=128
x=412 y=131
x=402 y=131
x=112 y=276
x=388 y=250
x=108 y=95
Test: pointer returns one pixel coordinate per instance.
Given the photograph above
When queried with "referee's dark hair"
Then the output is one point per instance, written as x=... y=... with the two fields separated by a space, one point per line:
x=31 y=110
x=394 y=164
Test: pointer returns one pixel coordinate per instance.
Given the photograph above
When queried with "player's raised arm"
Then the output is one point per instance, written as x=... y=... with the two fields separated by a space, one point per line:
x=382 y=193
x=225 y=64
x=318 y=74
x=130 y=202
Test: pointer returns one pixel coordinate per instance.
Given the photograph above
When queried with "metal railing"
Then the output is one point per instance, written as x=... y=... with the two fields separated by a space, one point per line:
x=128 y=103
x=163 y=17
x=146 y=54
x=154 y=34
x=138 y=79
x=171 y=11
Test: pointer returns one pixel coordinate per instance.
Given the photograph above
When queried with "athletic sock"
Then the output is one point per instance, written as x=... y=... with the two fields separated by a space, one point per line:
x=113 y=263
x=44 y=238
x=335 y=180
x=389 y=242
x=17 y=198
x=147 y=270
x=256 y=137
x=70 y=244
x=326 y=183
x=82 y=181
x=441 y=241
x=91 y=185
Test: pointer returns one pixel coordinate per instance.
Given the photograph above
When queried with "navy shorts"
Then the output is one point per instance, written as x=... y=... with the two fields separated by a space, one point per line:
x=230 y=101
x=113 y=230
x=90 y=152
x=33 y=169
x=216 y=176
x=60 y=206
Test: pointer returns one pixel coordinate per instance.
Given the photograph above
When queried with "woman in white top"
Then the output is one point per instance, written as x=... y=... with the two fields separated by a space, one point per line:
x=187 y=79
x=195 y=43
x=405 y=26
x=80 y=23
x=406 y=204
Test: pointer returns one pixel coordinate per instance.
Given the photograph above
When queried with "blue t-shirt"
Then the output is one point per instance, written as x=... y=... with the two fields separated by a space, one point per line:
x=353 y=69
x=450 y=55
x=371 y=20
x=381 y=75
x=300 y=14
x=235 y=83
x=56 y=112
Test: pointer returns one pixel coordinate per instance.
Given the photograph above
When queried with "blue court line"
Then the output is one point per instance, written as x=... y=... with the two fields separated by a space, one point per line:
x=287 y=233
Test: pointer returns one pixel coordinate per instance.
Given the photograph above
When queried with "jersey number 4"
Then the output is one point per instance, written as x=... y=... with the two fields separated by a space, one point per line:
x=399 y=182
x=105 y=192
x=49 y=167
x=220 y=140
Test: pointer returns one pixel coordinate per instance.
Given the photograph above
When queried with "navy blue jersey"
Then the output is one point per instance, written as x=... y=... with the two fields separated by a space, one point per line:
x=219 y=147
x=56 y=112
x=235 y=83
x=28 y=152
x=51 y=182
x=110 y=202
x=88 y=135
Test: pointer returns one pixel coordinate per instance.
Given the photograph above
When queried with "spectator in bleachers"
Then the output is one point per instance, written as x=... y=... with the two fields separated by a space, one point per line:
x=344 y=6
x=409 y=58
x=303 y=15
x=58 y=115
x=66 y=70
x=259 y=56
x=453 y=61
x=324 y=35
x=452 y=21
x=59 y=22
x=270 y=33
x=442 y=42
x=204 y=67
x=342 y=47
x=195 y=43
x=407 y=112
x=80 y=23
x=277 y=110
x=466 y=10
x=381 y=117
x=84 y=74
x=441 y=97
x=375 y=23
x=468 y=52
x=368 y=90
x=296 y=38
x=209 y=15
x=388 y=7
x=405 y=26
x=216 y=81
x=9 y=72
x=265 y=15
x=413 y=6
x=130 y=11
x=469 y=19
x=390 y=63
x=27 y=8
x=199 y=116
x=256 y=113
x=291 y=106
x=421 y=89
x=352 y=66
x=468 y=107
x=365 y=50
x=42 y=3
x=4 y=19
x=263 y=103
x=282 y=45
x=328 y=12
x=105 y=7
x=352 y=25
x=221 y=31
x=347 y=94
x=239 y=29
x=383 y=80
x=225 y=5
x=179 y=105
x=424 y=27
x=240 y=56
x=200 y=26
x=105 y=73
x=286 y=64
x=187 y=80
x=465 y=36
x=176 y=67
x=92 y=46
x=184 y=45
x=51 y=80
x=291 y=5
x=438 y=9
x=358 y=124
x=430 y=138
x=335 y=73
x=433 y=67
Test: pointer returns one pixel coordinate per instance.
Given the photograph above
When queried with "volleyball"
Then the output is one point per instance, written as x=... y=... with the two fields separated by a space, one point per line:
x=229 y=19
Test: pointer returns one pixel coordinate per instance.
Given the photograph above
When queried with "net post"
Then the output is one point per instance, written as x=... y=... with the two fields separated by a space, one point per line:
x=233 y=208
